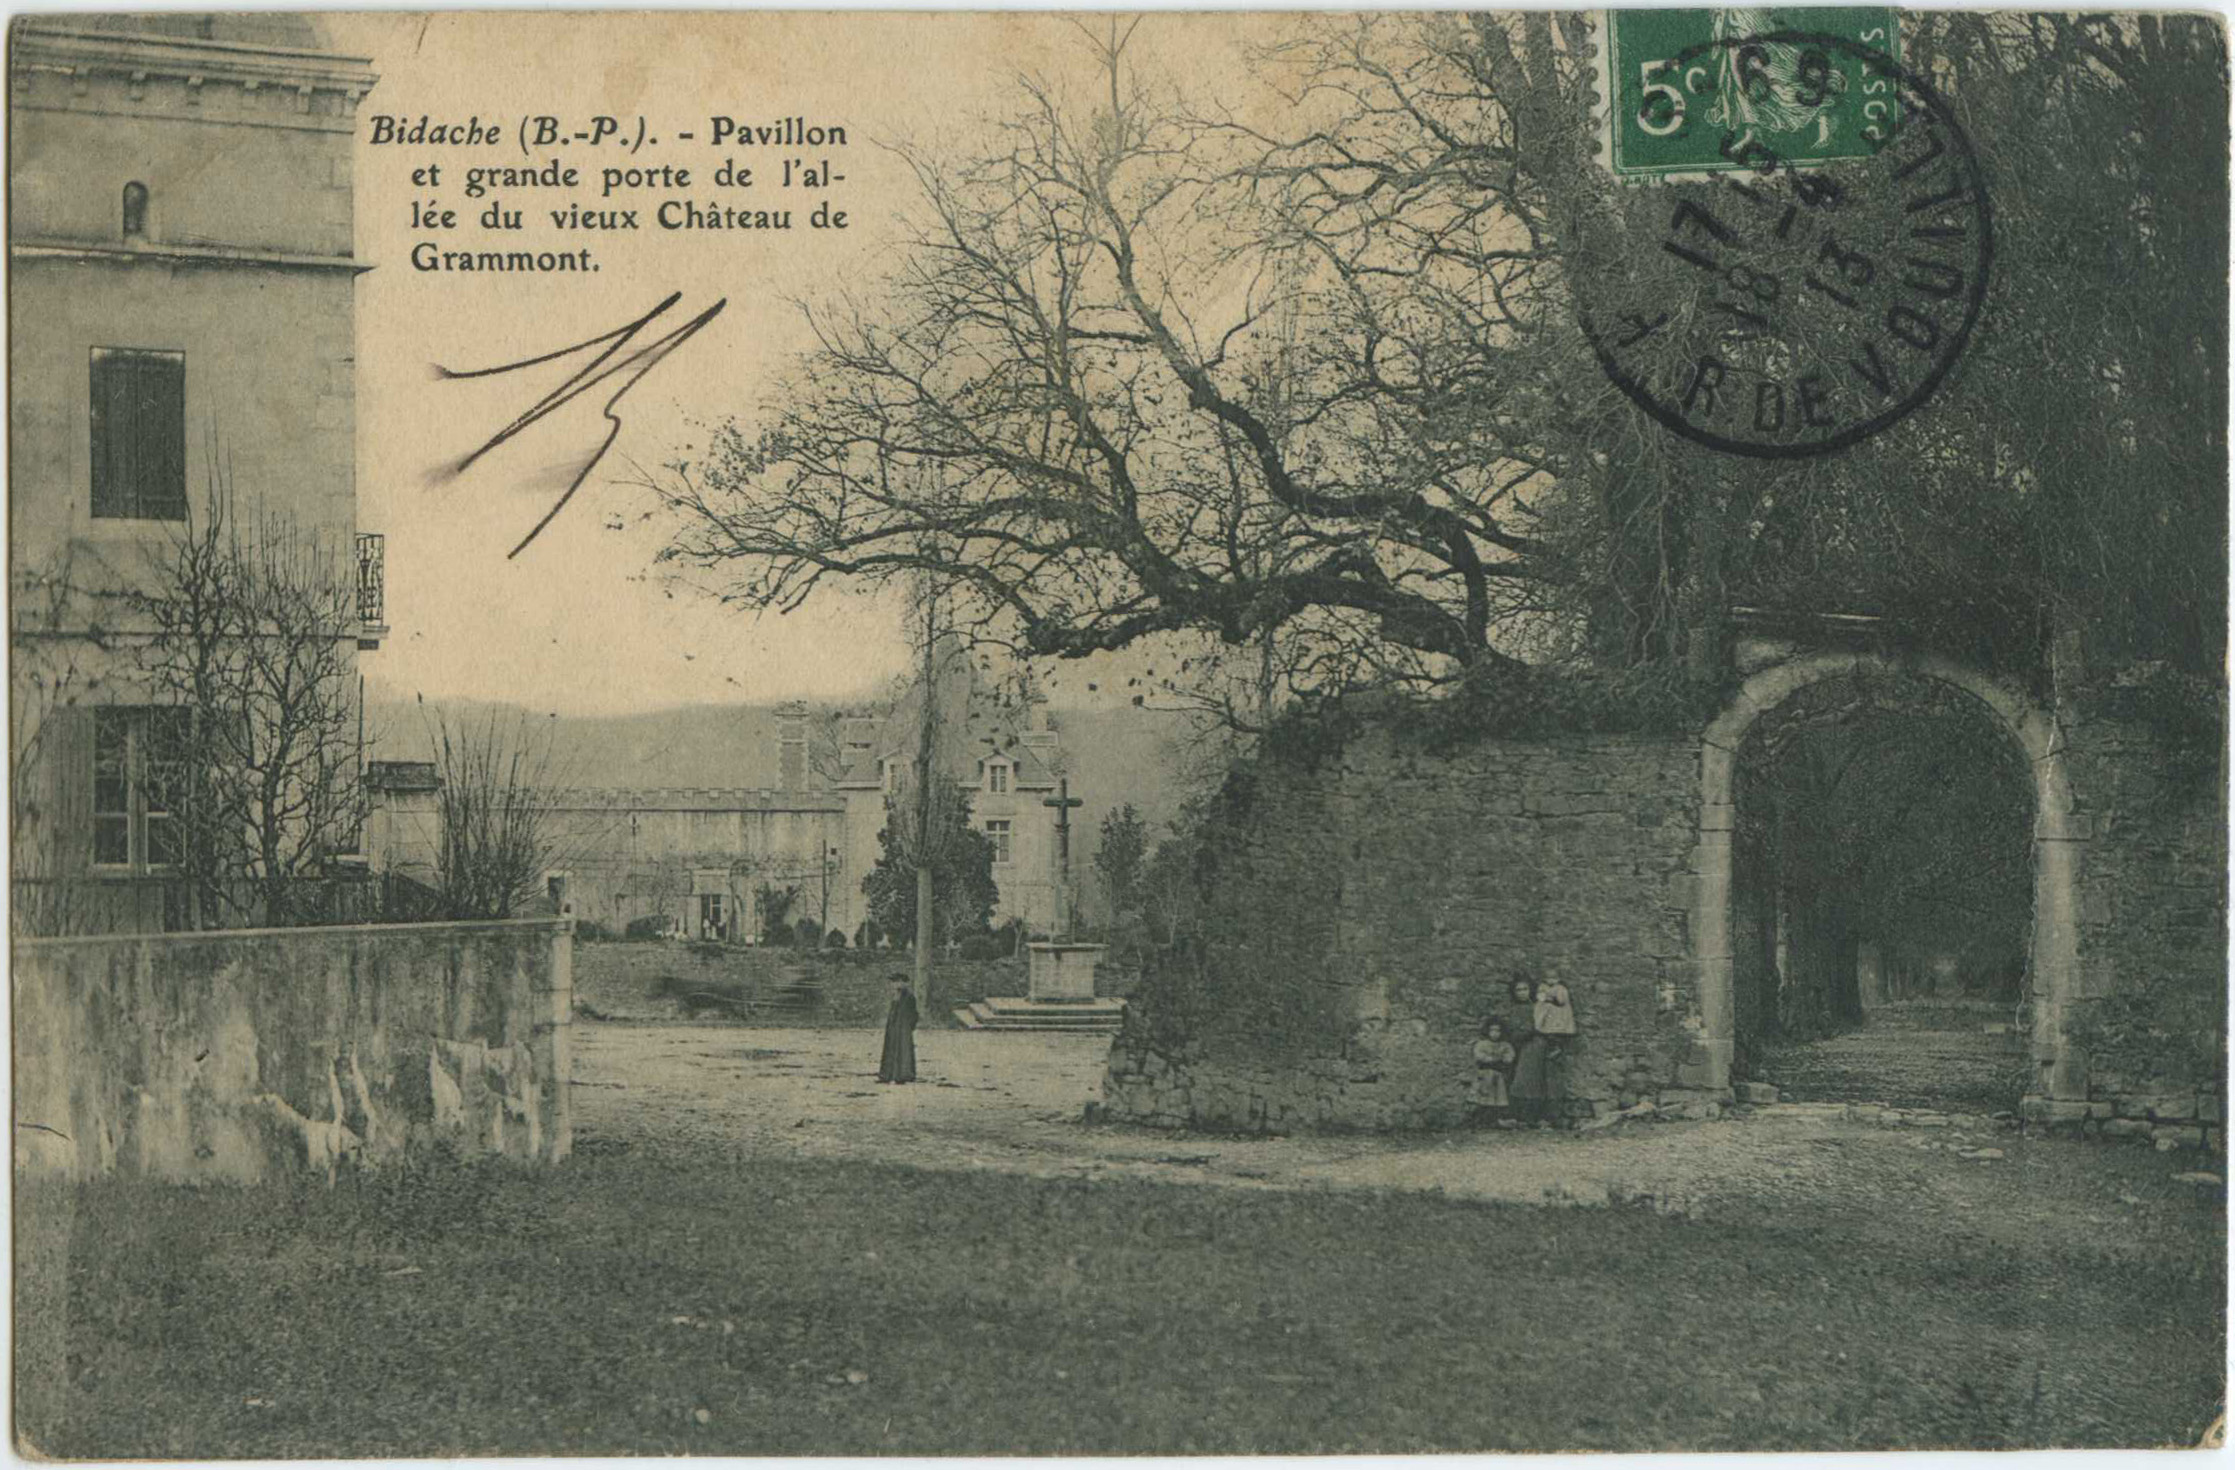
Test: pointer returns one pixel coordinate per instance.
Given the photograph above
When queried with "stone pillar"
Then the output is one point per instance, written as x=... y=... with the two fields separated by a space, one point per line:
x=556 y=1025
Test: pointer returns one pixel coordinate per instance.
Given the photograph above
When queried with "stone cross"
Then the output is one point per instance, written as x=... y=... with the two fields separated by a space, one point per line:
x=1063 y=801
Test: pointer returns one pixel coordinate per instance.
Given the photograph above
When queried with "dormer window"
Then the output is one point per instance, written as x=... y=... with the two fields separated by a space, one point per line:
x=997 y=777
x=135 y=211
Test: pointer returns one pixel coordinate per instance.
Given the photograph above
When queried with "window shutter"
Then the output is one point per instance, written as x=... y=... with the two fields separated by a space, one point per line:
x=112 y=411
x=139 y=433
x=162 y=425
x=69 y=783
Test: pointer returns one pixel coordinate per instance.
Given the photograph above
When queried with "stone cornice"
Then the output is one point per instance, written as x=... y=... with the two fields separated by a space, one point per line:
x=56 y=46
x=211 y=255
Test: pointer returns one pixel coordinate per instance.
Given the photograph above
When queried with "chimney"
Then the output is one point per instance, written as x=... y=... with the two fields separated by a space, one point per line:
x=791 y=746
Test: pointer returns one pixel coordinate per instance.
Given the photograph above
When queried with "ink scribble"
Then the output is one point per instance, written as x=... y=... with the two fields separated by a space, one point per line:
x=630 y=369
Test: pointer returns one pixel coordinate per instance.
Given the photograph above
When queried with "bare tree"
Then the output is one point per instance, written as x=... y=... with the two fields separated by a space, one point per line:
x=495 y=833
x=251 y=655
x=1100 y=403
x=1150 y=368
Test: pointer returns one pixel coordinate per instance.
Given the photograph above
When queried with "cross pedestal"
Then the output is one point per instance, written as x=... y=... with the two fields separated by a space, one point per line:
x=1061 y=973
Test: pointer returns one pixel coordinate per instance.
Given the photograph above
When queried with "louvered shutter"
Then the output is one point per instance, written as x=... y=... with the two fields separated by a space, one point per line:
x=139 y=434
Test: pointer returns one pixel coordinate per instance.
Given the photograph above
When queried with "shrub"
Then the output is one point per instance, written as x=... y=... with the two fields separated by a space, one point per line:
x=808 y=934
x=651 y=926
x=1129 y=938
x=836 y=939
x=980 y=947
x=774 y=905
x=590 y=931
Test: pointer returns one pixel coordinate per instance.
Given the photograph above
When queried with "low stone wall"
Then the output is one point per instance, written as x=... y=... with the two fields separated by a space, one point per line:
x=237 y=1055
x=2169 y=1120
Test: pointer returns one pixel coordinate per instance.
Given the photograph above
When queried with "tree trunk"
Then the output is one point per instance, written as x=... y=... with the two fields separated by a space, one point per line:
x=927 y=737
x=924 y=929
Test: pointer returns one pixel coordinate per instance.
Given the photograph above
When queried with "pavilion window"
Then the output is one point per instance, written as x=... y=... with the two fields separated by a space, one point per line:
x=139 y=765
x=139 y=434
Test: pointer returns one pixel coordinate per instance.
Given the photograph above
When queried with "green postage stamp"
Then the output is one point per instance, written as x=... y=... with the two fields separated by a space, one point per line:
x=1693 y=92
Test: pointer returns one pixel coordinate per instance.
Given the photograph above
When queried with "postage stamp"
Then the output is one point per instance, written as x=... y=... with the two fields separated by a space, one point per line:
x=1678 y=82
x=1783 y=311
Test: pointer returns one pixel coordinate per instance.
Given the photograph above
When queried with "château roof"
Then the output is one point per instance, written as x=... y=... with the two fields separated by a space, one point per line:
x=693 y=799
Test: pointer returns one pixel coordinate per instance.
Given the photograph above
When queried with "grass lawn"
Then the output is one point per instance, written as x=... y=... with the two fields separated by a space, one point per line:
x=645 y=1302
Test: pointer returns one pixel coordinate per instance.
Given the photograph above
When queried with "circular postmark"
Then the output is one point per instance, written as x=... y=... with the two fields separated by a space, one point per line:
x=1786 y=310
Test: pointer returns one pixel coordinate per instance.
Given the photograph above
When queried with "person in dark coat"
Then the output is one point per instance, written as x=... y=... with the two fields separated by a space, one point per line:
x=899 y=1061
x=1531 y=1087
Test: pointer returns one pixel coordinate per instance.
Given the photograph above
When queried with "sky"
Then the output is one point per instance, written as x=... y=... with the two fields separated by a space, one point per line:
x=580 y=622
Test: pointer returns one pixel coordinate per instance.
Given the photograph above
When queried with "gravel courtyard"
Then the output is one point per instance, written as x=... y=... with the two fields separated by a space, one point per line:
x=1016 y=1103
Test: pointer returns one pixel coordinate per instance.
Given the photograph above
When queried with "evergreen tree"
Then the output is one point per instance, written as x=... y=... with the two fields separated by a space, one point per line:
x=963 y=890
x=1121 y=859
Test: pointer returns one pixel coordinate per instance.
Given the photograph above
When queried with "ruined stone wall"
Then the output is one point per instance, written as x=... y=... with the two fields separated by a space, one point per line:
x=1365 y=914
x=1364 y=910
x=2150 y=1016
x=236 y=1055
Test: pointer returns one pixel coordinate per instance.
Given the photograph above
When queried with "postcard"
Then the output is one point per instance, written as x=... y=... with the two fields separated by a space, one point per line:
x=764 y=733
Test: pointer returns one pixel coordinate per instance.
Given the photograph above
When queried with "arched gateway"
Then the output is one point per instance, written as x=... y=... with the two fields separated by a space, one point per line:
x=1372 y=898
x=2054 y=945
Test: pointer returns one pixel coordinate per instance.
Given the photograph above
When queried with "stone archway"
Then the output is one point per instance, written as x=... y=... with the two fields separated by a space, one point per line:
x=2053 y=950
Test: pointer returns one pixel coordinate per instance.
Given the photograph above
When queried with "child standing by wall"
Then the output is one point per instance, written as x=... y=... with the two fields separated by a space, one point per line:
x=1493 y=1062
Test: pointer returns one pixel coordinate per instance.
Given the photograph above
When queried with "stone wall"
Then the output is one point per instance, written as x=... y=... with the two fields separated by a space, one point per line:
x=1363 y=910
x=1364 y=916
x=2149 y=1020
x=236 y=1055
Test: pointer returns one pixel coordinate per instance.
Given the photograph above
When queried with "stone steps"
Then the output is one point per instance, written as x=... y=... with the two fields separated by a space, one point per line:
x=1012 y=1013
x=795 y=1000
